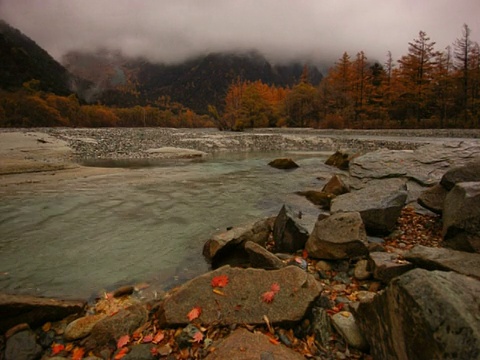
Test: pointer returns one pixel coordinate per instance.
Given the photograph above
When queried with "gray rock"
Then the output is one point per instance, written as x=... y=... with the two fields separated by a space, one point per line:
x=340 y=236
x=140 y=352
x=469 y=172
x=319 y=198
x=461 y=217
x=433 y=198
x=35 y=311
x=230 y=243
x=385 y=266
x=335 y=186
x=379 y=205
x=361 y=270
x=244 y=345
x=22 y=346
x=321 y=326
x=261 y=258
x=445 y=259
x=288 y=233
x=242 y=297
x=81 y=327
x=111 y=328
x=283 y=164
x=424 y=315
x=366 y=296
x=344 y=322
x=340 y=159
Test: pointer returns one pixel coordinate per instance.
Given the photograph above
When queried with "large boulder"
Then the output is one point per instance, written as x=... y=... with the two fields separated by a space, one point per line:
x=340 y=159
x=244 y=345
x=261 y=258
x=319 y=198
x=386 y=266
x=339 y=236
x=283 y=164
x=433 y=198
x=241 y=300
x=228 y=246
x=461 y=217
x=335 y=186
x=444 y=259
x=379 y=205
x=424 y=315
x=469 y=172
x=288 y=233
x=17 y=309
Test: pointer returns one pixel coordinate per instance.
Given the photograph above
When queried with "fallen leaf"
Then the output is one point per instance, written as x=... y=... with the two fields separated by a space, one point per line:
x=78 y=353
x=122 y=341
x=267 y=321
x=220 y=281
x=147 y=339
x=345 y=314
x=57 y=348
x=273 y=341
x=268 y=297
x=305 y=254
x=69 y=347
x=158 y=337
x=194 y=313
x=198 y=337
x=219 y=292
x=121 y=354
x=275 y=288
x=47 y=326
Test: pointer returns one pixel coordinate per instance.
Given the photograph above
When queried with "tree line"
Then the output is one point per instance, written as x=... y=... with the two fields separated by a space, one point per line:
x=425 y=88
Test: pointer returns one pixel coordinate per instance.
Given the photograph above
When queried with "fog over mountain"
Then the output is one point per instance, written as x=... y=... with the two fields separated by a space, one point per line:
x=174 y=30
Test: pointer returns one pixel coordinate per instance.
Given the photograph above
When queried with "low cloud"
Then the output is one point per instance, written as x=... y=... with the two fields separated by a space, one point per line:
x=174 y=30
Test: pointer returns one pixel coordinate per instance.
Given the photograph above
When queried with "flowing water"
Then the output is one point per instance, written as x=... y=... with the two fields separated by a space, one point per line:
x=147 y=224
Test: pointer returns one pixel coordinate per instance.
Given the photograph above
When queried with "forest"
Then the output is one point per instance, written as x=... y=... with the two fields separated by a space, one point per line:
x=425 y=88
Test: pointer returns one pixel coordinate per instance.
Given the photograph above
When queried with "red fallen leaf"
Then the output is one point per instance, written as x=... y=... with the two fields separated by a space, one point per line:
x=268 y=296
x=220 y=281
x=78 y=353
x=194 y=313
x=57 y=348
x=275 y=288
x=158 y=337
x=154 y=351
x=305 y=254
x=122 y=341
x=147 y=339
x=273 y=341
x=121 y=354
x=198 y=337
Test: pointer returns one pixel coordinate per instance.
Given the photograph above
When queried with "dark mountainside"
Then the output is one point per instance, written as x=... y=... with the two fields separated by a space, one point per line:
x=195 y=83
x=22 y=60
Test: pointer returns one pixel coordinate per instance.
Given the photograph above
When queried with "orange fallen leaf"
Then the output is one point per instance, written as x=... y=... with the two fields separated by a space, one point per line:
x=268 y=297
x=305 y=254
x=122 y=341
x=273 y=341
x=57 y=348
x=194 y=313
x=158 y=337
x=220 y=281
x=198 y=337
x=121 y=353
x=147 y=339
x=78 y=353
x=219 y=292
x=47 y=326
x=275 y=288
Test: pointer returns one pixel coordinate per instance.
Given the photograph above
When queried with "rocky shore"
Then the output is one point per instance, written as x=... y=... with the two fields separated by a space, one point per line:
x=374 y=276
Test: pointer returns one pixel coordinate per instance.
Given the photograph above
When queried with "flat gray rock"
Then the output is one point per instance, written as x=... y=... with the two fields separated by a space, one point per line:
x=424 y=315
x=241 y=299
x=445 y=259
x=469 y=172
x=385 y=266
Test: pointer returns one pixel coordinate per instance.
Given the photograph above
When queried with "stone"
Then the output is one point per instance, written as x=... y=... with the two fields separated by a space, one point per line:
x=241 y=344
x=35 y=311
x=425 y=165
x=140 y=352
x=444 y=259
x=241 y=302
x=433 y=198
x=335 y=186
x=340 y=236
x=321 y=326
x=288 y=233
x=319 y=198
x=81 y=327
x=124 y=291
x=340 y=159
x=385 y=266
x=365 y=296
x=111 y=328
x=469 y=172
x=379 y=205
x=361 y=270
x=261 y=258
x=424 y=315
x=224 y=246
x=461 y=217
x=344 y=322
x=283 y=164
x=23 y=346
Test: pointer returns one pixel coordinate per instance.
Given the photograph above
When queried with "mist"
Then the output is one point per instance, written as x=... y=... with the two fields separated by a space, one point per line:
x=171 y=31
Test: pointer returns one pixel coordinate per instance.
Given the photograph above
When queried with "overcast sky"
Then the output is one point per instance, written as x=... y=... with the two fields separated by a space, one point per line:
x=172 y=30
